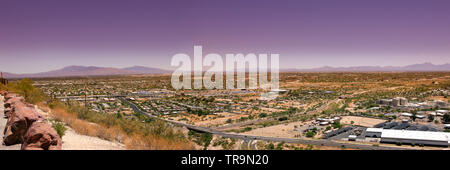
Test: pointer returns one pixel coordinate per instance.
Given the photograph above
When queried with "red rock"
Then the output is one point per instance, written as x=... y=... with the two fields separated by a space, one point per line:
x=10 y=95
x=7 y=112
x=20 y=119
x=13 y=100
x=27 y=126
x=41 y=136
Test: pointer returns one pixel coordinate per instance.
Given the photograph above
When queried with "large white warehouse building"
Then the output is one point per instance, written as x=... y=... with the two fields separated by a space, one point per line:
x=410 y=136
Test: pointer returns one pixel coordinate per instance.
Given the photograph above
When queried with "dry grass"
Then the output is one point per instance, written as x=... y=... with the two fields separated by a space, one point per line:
x=115 y=133
x=87 y=128
x=361 y=121
x=139 y=142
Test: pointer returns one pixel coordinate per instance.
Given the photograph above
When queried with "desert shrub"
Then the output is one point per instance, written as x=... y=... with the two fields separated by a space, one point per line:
x=280 y=146
x=337 y=125
x=154 y=134
x=202 y=139
x=282 y=118
x=446 y=118
x=228 y=121
x=270 y=146
x=59 y=127
x=310 y=134
x=246 y=129
x=430 y=118
x=206 y=139
x=261 y=115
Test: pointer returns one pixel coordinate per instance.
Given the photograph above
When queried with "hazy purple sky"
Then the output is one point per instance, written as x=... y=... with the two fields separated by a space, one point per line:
x=42 y=35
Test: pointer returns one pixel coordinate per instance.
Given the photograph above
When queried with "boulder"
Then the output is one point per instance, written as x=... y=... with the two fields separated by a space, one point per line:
x=12 y=100
x=26 y=125
x=3 y=93
x=7 y=112
x=10 y=95
x=9 y=105
x=41 y=136
x=20 y=119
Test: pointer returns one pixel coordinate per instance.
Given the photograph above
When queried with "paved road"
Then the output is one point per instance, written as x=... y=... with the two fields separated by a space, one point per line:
x=319 y=142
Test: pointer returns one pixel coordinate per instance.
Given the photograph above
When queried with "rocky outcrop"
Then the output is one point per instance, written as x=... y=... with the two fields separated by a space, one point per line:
x=41 y=136
x=3 y=93
x=27 y=126
x=10 y=105
x=10 y=95
x=18 y=123
x=13 y=100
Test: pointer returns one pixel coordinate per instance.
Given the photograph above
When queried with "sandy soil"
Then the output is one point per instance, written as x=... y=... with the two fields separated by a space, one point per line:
x=220 y=120
x=73 y=141
x=438 y=98
x=361 y=121
x=281 y=130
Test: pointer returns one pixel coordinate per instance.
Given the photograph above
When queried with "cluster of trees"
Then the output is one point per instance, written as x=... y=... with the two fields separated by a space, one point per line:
x=202 y=139
x=199 y=112
x=311 y=133
x=225 y=143
x=26 y=89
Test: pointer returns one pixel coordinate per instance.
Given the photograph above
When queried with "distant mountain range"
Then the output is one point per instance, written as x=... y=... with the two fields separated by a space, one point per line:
x=408 y=68
x=90 y=71
x=146 y=70
x=103 y=71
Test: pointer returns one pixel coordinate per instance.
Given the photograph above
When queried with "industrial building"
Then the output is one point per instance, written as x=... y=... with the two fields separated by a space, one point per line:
x=374 y=132
x=398 y=101
x=410 y=136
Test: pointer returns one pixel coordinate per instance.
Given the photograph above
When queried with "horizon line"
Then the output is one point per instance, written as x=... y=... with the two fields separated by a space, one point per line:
x=172 y=68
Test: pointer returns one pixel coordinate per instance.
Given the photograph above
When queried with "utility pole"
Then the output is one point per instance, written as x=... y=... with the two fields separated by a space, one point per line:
x=85 y=97
x=2 y=80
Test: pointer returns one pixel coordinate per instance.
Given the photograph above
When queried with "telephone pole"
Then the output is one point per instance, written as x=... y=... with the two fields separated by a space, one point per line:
x=85 y=97
x=3 y=80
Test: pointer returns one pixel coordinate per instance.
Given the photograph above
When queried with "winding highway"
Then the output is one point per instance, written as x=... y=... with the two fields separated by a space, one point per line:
x=319 y=142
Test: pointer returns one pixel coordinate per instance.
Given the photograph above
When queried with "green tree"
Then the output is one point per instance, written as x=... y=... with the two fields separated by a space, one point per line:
x=280 y=146
x=282 y=118
x=430 y=118
x=310 y=134
x=414 y=116
x=206 y=139
x=446 y=118
x=25 y=88
x=337 y=125
x=270 y=146
x=262 y=115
